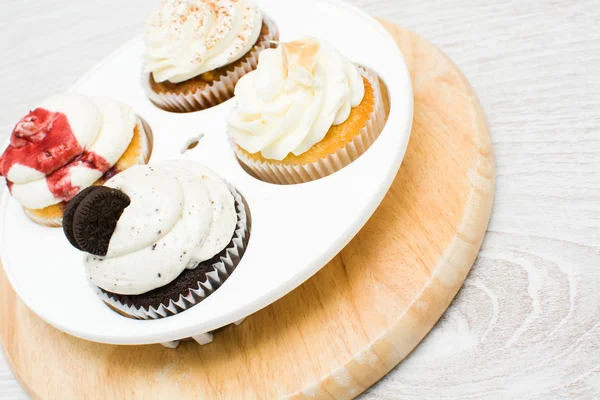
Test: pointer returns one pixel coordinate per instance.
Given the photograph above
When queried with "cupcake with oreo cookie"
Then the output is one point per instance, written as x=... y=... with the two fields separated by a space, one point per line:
x=66 y=144
x=197 y=50
x=159 y=239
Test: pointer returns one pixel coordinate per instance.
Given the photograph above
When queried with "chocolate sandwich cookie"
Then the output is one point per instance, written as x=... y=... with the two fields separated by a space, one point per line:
x=91 y=218
x=69 y=213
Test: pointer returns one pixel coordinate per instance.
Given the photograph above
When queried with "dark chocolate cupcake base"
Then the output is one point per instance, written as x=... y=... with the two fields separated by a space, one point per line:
x=193 y=285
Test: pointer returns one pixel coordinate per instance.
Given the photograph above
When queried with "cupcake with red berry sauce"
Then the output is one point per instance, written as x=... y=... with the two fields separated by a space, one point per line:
x=68 y=143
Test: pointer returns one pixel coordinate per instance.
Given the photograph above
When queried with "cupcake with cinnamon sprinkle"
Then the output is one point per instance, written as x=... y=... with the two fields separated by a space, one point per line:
x=68 y=143
x=305 y=113
x=197 y=50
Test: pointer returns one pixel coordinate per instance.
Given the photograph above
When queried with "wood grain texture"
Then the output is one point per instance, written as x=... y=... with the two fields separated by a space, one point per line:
x=525 y=325
x=347 y=326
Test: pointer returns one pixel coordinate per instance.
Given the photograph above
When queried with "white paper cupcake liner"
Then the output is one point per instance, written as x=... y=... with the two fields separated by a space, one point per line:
x=285 y=174
x=147 y=141
x=219 y=272
x=218 y=91
x=143 y=157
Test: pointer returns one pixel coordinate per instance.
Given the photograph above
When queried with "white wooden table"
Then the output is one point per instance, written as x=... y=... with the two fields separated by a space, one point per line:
x=527 y=322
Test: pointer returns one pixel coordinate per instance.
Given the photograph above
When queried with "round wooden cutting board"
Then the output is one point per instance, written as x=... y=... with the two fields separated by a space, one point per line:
x=347 y=326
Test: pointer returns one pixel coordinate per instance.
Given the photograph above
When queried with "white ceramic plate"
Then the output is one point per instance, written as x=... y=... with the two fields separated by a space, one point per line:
x=296 y=229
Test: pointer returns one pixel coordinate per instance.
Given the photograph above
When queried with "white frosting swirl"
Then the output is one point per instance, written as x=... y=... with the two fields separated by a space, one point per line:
x=186 y=38
x=181 y=214
x=113 y=123
x=291 y=101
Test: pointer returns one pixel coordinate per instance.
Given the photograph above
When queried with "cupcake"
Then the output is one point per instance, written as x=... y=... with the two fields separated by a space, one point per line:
x=158 y=239
x=304 y=113
x=197 y=50
x=66 y=144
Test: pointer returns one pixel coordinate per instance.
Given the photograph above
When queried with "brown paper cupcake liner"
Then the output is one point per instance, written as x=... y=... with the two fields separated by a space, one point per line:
x=219 y=272
x=285 y=174
x=143 y=158
x=218 y=91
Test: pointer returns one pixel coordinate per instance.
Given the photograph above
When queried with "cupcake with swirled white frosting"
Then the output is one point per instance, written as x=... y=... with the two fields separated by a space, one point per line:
x=304 y=113
x=67 y=143
x=197 y=50
x=159 y=239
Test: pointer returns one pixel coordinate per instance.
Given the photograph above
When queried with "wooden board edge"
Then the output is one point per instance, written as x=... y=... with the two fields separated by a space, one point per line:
x=388 y=350
x=10 y=293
